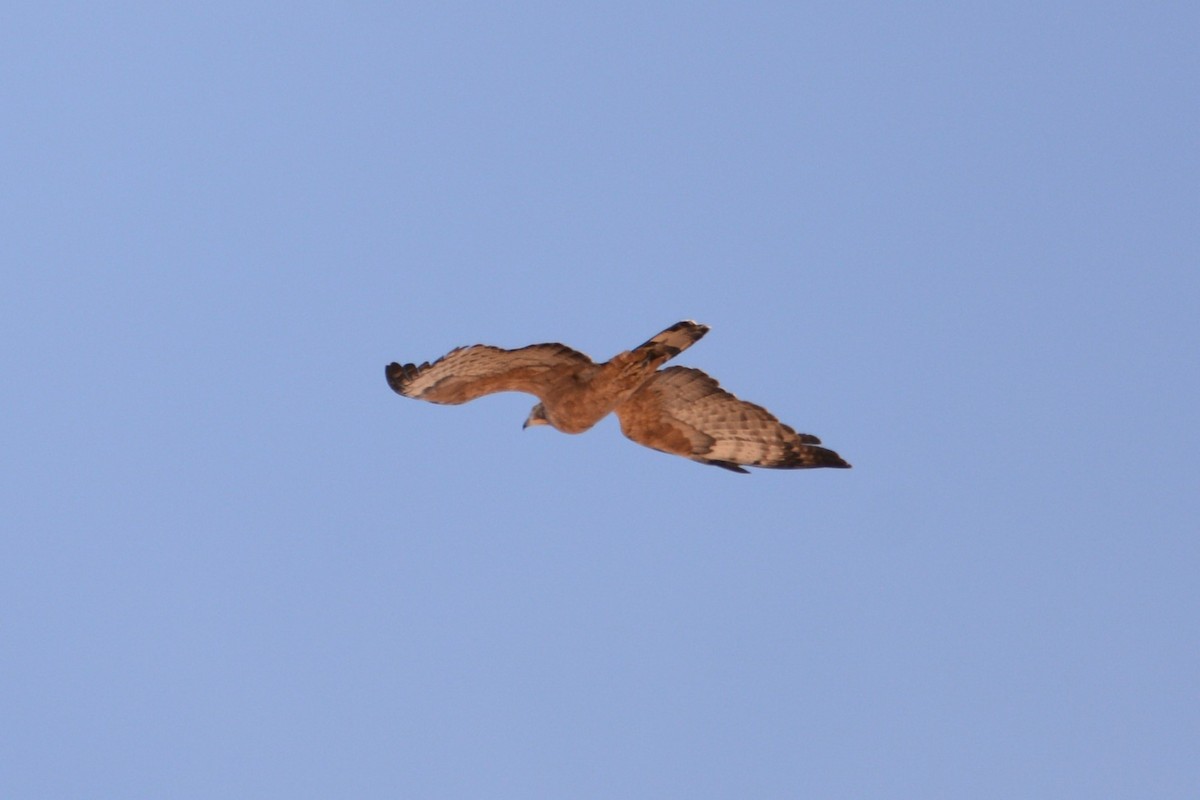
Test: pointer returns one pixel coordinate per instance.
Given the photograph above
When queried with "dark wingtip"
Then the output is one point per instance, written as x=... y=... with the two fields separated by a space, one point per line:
x=827 y=458
x=397 y=376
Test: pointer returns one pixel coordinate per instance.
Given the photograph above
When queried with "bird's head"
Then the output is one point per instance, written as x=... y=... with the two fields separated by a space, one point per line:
x=536 y=417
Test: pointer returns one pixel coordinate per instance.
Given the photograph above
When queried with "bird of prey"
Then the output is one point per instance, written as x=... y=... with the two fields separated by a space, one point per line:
x=677 y=410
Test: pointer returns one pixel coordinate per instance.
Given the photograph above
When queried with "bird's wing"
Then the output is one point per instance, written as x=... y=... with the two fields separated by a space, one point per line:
x=469 y=372
x=683 y=411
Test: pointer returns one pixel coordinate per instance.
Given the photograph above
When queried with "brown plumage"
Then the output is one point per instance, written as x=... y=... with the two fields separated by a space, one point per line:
x=678 y=410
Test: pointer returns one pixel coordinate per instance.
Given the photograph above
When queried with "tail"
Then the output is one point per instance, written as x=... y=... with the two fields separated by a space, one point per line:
x=666 y=345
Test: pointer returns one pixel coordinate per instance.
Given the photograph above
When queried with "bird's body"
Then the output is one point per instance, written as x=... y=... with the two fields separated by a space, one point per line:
x=677 y=410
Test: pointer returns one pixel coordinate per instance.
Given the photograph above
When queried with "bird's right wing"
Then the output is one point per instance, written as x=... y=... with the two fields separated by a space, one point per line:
x=469 y=372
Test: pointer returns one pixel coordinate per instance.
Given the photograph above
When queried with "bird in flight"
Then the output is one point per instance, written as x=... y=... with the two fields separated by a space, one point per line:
x=678 y=410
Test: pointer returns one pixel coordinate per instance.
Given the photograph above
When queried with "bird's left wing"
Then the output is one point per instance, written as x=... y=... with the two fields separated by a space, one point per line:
x=683 y=411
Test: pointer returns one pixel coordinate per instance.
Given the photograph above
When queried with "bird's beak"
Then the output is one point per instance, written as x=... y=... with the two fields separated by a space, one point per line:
x=525 y=424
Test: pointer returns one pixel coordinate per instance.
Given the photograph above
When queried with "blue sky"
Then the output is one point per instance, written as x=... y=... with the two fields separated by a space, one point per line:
x=959 y=243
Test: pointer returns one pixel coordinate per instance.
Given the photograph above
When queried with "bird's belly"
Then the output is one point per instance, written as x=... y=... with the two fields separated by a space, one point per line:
x=576 y=414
